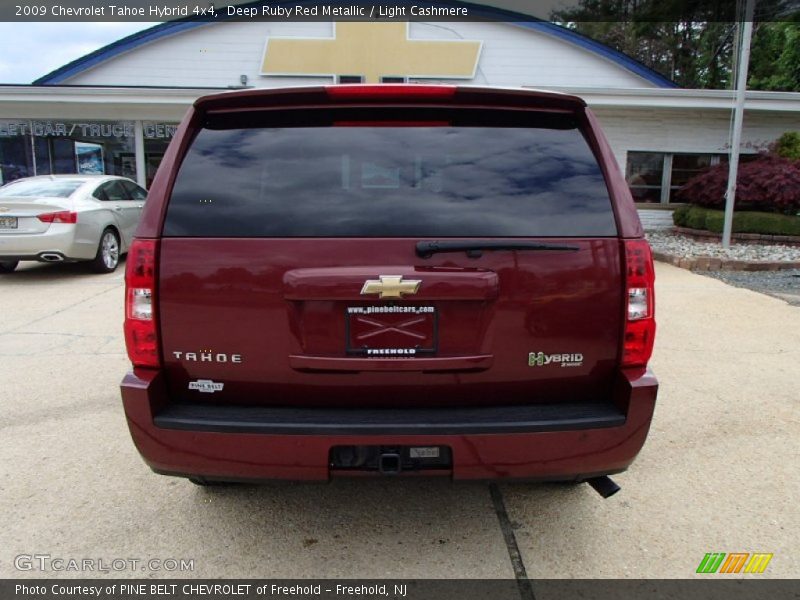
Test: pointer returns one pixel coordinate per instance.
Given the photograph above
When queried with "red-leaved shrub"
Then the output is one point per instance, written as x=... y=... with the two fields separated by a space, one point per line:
x=769 y=183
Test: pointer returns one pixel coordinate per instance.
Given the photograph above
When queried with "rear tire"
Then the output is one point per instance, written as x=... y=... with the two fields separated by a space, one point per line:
x=107 y=257
x=8 y=266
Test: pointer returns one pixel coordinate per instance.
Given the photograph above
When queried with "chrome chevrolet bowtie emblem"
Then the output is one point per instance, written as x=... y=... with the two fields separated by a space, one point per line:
x=390 y=286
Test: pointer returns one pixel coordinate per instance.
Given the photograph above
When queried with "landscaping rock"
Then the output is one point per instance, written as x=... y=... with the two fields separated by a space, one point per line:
x=686 y=248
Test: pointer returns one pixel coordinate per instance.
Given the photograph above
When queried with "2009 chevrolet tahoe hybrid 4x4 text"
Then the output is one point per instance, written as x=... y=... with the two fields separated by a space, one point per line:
x=392 y=279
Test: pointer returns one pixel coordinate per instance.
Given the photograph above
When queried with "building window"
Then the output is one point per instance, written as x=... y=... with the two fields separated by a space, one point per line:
x=44 y=147
x=393 y=79
x=657 y=176
x=156 y=139
x=687 y=166
x=645 y=172
x=15 y=158
x=349 y=79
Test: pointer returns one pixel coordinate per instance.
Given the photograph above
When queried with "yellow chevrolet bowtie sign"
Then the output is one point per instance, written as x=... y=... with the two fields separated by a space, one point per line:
x=371 y=50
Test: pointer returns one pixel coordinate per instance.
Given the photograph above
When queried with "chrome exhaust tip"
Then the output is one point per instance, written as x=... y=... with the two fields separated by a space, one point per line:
x=51 y=257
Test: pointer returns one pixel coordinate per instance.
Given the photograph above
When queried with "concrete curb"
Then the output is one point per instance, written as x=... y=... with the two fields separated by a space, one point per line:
x=707 y=263
x=745 y=238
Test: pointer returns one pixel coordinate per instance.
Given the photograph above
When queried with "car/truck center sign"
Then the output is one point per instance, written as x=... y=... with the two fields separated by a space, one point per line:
x=106 y=129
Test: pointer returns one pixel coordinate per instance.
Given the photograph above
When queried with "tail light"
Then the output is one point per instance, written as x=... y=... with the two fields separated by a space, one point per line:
x=640 y=322
x=141 y=333
x=390 y=92
x=63 y=216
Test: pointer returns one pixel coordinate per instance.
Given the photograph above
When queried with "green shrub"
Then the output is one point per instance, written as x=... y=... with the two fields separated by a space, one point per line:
x=680 y=214
x=788 y=145
x=695 y=217
x=770 y=223
x=690 y=216
x=715 y=220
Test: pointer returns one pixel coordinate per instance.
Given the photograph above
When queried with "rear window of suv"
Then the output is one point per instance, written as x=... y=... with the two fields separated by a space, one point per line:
x=449 y=175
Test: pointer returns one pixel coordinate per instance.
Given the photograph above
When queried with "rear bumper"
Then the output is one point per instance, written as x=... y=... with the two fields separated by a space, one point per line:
x=565 y=441
x=60 y=239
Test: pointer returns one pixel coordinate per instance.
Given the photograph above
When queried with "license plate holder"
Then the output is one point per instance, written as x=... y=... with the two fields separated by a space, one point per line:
x=391 y=331
x=402 y=458
x=8 y=223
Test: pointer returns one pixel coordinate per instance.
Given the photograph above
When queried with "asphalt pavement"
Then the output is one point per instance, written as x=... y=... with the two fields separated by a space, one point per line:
x=718 y=473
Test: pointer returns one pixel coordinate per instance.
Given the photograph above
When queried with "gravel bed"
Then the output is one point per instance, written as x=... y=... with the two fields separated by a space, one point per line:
x=782 y=284
x=680 y=245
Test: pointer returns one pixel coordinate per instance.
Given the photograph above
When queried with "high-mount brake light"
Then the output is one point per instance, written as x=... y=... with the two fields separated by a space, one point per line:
x=63 y=216
x=640 y=323
x=141 y=332
x=389 y=91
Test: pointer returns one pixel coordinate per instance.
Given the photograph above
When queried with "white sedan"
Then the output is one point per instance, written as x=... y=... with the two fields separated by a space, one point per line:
x=68 y=218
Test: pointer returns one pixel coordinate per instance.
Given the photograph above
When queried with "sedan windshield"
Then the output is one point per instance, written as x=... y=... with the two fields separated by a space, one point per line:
x=41 y=188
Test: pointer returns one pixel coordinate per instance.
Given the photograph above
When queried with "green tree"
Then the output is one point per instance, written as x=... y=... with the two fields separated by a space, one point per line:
x=775 y=57
x=695 y=48
x=788 y=145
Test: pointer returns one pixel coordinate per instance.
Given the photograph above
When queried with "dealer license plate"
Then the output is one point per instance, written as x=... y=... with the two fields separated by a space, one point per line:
x=399 y=331
x=8 y=222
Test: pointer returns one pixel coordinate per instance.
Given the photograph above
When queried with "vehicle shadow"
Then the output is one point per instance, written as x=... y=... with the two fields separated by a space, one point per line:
x=30 y=272
x=365 y=527
x=567 y=530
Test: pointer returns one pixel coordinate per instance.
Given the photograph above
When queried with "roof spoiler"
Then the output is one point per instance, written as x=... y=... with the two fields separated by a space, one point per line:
x=406 y=94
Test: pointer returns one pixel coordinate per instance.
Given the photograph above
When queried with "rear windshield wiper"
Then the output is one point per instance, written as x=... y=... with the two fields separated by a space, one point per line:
x=473 y=248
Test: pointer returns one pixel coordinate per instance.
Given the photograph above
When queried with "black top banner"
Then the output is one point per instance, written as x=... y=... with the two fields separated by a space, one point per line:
x=687 y=11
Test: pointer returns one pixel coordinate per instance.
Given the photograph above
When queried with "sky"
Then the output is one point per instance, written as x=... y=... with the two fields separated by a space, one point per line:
x=30 y=50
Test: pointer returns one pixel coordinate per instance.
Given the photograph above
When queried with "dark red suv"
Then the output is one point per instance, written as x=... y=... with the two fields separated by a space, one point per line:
x=393 y=279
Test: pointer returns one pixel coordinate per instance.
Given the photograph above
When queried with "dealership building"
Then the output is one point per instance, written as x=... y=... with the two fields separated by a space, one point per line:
x=115 y=110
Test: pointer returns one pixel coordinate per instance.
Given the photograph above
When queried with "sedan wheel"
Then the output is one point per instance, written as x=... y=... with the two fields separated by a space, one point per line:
x=107 y=257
